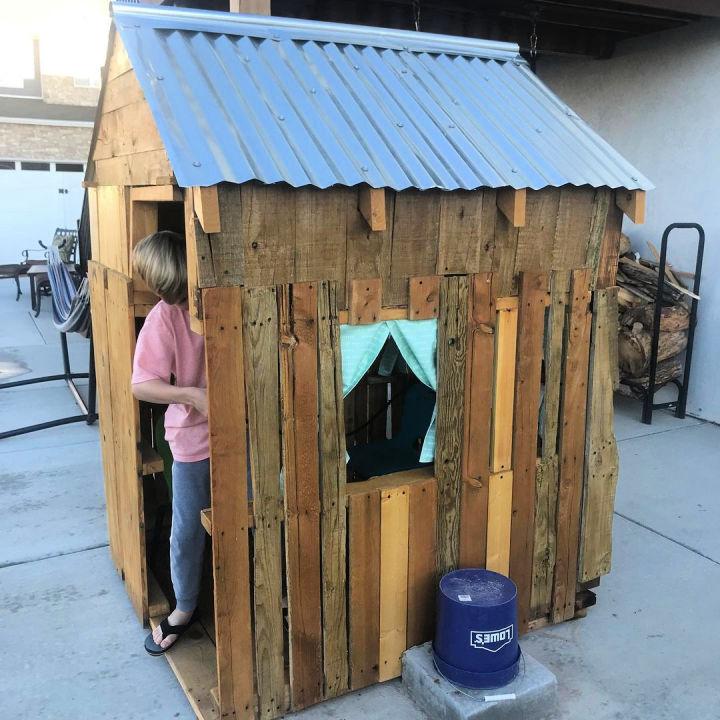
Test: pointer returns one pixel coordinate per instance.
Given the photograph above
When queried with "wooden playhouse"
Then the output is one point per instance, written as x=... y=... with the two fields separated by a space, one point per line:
x=332 y=176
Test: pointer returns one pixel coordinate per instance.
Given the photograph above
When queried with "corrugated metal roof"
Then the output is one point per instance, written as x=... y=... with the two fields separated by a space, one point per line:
x=248 y=97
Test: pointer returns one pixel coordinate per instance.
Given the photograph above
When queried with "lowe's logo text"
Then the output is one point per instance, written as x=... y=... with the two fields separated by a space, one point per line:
x=491 y=640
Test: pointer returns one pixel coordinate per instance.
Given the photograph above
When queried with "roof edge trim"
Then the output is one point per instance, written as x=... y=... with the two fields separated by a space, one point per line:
x=278 y=28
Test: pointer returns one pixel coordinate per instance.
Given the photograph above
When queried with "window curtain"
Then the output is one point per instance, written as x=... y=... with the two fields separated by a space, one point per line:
x=417 y=343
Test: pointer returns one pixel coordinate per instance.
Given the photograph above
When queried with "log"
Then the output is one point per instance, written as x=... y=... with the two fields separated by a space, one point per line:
x=625 y=246
x=672 y=318
x=666 y=371
x=634 y=346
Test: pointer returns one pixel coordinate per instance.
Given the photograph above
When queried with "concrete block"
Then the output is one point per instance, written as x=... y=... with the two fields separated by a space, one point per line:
x=535 y=690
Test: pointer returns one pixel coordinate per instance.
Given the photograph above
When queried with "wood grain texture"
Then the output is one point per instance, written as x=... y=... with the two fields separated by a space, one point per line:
x=113 y=222
x=414 y=241
x=332 y=486
x=534 y=288
x=424 y=297
x=503 y=262
x=478 y=415
x=452 y=356
x=572 y=232
x=504 y=384
x=572 y=445
x=150 y=167
x=601 y=454
x=461 y=232
x=536 y=238
x=601 y=203
x=260 y=340
x=222 y=309
x=421 y=562
x=371 y=203
x=207 y=208
x=226 y=245
x=609 y=249
x=546 y=491
x=500 y=494
x=194 y=298
x=365 y=301
x=394 y=525
x=126 y=439
x=299 y=398
x=364 y=587
x=512 y=204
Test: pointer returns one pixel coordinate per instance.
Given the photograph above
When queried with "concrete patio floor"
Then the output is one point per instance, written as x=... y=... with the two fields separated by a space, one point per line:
x=71 y=647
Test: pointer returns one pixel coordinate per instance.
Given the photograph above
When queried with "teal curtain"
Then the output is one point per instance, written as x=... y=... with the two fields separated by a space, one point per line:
x=417 y=343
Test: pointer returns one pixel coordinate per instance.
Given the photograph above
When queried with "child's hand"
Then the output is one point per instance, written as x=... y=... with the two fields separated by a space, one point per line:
x=198 y=399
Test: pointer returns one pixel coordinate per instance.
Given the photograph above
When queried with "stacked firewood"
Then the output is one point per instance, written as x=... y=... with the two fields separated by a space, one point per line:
x=637 y=279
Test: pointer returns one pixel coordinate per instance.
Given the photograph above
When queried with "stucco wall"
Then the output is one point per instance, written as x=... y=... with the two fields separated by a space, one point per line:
x=656 y=101
x=44 y=142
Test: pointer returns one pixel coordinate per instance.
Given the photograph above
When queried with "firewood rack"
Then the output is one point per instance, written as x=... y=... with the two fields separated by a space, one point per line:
x=680 y=403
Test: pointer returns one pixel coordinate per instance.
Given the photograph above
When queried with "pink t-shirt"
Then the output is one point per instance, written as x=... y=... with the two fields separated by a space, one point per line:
x=167 y=346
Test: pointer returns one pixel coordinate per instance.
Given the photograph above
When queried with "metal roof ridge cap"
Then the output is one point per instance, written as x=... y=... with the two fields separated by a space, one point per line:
x=337 y=32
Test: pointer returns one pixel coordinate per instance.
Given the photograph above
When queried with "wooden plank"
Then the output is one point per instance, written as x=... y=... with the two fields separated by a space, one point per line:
x=143 y=222
x=94 y=227
x=97 y=279
x=534 y=289
x=601 y=454
x=113 y=228
x=256 y=7
x=299 y=397
x=332 y=484
x=371 y=203
x=394 y=521
x=536 y=238
x=193 y=662
x=222 y=310
x=504 y=384
x=156 y=193
x=364 y=581
x=572 y=230
x=511 y=203
x=601 y=203
x=126 y=131
x=500 y=493
x=632 y=203
x=610 y=248
x=368 y=252
x=260 y=341
x=478 y=416
x=451 y=358
x=151 y=167
x=268 y=234
x=126 y=437
x=118 y=62
x=120 y=91
x=393 y=313
x=546 y=489
x=225 y=247
x=462 y=229
x=503 y=261
x=422 y=564
x=572 y=445
x=207 y=208
x=158 y=604
x=192 y=249
x=365 y=301
x=424 y=297
x=414 y=241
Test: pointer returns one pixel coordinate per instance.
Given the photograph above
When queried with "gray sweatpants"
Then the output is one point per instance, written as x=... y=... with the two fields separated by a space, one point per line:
x=191 y=494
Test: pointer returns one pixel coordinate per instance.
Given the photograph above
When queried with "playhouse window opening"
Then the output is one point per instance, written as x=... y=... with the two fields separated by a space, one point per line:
x=387 y=415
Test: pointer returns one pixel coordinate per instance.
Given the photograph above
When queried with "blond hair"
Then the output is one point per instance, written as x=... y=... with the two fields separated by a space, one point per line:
x=161 y=262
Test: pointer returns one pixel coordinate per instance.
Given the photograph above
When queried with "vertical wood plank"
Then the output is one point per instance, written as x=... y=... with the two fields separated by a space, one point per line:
x=414 y=241
x=499 y=518
x=260 y=340
x=424 y=297
x=452 y=355
x=572 y=445
x=222 y=309
x=573 y=227
x=530 y=336
x=610 y=248
x=113 y=228
x=394 y=520
x=364 y=606
x=194 y=298
x=478 y=415
x=461 y=232
x=421 y=562
x=601 y=454
x=601 y=203
x=546 y=491
x=226 y=246
x=365 y=301
x=504 y=384
x=535 y=239
x=299 y=395
x=503 y=262
x=332 y=485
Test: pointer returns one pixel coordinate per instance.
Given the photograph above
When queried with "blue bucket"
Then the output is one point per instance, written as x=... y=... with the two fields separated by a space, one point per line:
x=476 y=641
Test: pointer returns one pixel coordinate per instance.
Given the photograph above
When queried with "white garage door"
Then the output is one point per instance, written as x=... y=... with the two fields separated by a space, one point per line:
x=33 y=202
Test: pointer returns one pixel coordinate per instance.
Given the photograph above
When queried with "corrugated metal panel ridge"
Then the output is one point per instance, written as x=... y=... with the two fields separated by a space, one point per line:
x=244 y=97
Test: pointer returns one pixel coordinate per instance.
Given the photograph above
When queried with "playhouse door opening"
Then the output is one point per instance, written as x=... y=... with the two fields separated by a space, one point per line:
x=386 y=417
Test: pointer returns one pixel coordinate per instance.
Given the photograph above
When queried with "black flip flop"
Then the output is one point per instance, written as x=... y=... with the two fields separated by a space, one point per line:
x=167 y=629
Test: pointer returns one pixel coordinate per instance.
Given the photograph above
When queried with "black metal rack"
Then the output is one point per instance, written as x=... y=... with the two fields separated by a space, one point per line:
x=680 y=403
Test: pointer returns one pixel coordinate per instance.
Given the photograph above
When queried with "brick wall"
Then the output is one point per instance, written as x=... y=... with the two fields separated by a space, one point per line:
x=61 y=90
x=44 y=142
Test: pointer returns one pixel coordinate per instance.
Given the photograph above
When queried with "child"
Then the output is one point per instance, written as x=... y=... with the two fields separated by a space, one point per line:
x=167 y=348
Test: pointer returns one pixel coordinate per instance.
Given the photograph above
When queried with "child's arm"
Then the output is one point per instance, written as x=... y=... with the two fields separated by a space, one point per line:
x=158 y=391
